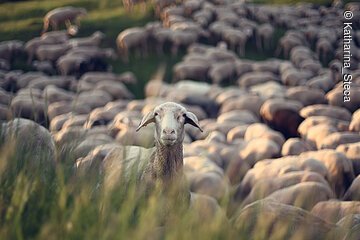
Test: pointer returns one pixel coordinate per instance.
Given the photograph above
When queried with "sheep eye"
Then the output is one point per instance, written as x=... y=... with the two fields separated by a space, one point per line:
x=156 y=114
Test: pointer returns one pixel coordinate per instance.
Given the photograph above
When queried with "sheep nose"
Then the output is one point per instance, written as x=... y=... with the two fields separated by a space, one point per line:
x=168 y=131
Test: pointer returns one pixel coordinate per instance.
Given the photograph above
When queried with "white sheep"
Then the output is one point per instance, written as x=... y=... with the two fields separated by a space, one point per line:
x=93 y=40
x=132 y=38
x=61 y=15
x=166 y=159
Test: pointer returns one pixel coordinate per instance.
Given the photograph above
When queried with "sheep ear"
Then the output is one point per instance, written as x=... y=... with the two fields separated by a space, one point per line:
x=148 y=118
x=192 y=119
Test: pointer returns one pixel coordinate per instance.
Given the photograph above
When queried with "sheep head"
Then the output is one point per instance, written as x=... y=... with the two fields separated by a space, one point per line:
x=169 y=119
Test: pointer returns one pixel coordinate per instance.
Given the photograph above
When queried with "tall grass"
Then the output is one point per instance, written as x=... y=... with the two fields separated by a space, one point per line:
x=67 y=205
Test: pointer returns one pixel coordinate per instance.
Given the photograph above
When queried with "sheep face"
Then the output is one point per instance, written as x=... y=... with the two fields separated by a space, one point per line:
x=169 y=119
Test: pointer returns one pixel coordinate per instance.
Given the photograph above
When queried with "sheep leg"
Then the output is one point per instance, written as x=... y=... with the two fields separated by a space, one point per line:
x=125 y=55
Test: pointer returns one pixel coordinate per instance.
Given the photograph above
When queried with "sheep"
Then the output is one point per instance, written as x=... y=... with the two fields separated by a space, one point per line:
x=191 y=70
x=93 y=40
x=335 y=139
x=353 y=193
x=270 y=168
x=51 y=52
x=295 y=146
x=55 y=94
x=309 y=122
x=249 y=102
x=326 y=110
x=221 y=72
x=182 y=38
x=260 y=220
x=236 y=39
x=62 y=107
x=32 y=45
x=166 y=160
x=340 y=168
x=39 y=145
x=30 y=107
x=304 y=195
x=253 y=78
x=62 y=15
x=95 y=77
x=333 y=211
x=9 y=49
x=265 y=187
x=264 y=36
x=352 y=152
x=92 y=52
x=282 y=116
x=60 y=36
x=307 y=96
x=252 y=153
x=132 y=38
x=44 y=66
x=269 y=89
x=335 y=97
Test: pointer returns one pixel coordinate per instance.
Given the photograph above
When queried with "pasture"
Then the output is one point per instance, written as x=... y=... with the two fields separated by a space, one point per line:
x=261 y=143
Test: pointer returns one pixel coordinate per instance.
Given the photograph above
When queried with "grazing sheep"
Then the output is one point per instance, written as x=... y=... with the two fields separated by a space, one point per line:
x=93 y=40
x=254 y=78
x=60 y=36
x=132 y=38
x=222 y=72
x=95 y=77
x=295 y=146
x=253 y=153
x=326 y=110
x=307 y=96
x=62 y=15
x=340 y=168
x=271 y=168
x=44 y=66
x=282 y=115
x=9 y=49
x=335 y=97
x=191 y=70
x=304 y=195
x=264 y=36
x=39 y=145
x=265 y=187
x=333 y=140
x=352 y=152
x=353 y=193
x=333 y=211
x=263 y=218
x=51 y=52
x=355 y=122
x=309 y=122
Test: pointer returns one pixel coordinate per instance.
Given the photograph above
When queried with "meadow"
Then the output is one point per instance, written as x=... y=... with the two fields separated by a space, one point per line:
x=42 y=197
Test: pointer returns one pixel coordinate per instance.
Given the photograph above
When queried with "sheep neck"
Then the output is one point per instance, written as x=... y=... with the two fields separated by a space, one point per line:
x=168 y=161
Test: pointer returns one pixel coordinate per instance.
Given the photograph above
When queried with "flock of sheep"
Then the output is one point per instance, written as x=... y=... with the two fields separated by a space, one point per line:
x=281 y=140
